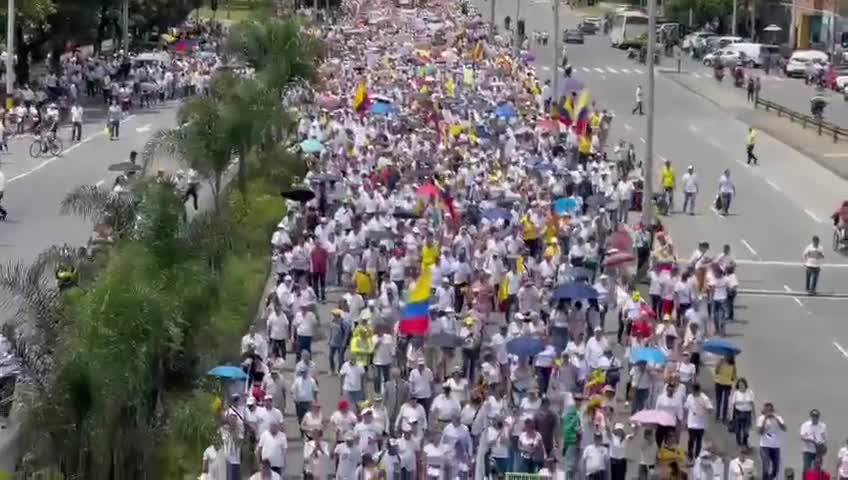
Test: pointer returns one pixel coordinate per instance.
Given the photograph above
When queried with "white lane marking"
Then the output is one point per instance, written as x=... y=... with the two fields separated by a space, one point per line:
x=812 y=215
x=715 y=143
x=603 y=77
x=586 y=69
x=628 y=127
x=773 y=185
x=749 y=247
x=624 y=70
x=786 y=287
x=546 y=68
x=697 y=75
x=694 y=129
x=101 y=182
x=717 y=213
x=781 y=263
x=73 y=147
x=143 y=128
x=612 y=70
x=640 y=72
x=835 y=155
x=841 y=349
x=642 y=139
x=599 y=70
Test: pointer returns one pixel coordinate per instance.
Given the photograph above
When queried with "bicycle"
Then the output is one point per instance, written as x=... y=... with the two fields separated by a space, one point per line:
x=51 y=144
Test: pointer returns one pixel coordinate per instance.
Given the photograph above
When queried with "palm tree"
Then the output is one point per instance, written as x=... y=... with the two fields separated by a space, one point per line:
x=201 y=142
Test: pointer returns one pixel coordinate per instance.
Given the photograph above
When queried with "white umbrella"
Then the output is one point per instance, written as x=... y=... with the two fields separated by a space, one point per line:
x=772 y=28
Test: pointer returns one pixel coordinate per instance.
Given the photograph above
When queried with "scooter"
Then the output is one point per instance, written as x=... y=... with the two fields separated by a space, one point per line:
x=817 y=105
x=718 y=72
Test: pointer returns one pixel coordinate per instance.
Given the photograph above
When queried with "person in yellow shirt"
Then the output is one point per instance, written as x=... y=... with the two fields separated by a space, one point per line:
x=725 y=377
x=667 y=178
x=363 y=282
x=530 y=235
x=750 y=141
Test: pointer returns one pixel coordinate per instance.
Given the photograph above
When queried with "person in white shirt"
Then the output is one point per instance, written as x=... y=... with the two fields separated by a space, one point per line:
x=842 y=462
x=741 y=467
x=316 y=457
x=352 y=374
x=742 y=405
x=266 y=473
x=668 y=402
x=384 y=354
x=619 y=442
x=813 y=256
x=595 y=457
x=278 y=327
x=347 y=456
x=498 y=440
x=697 y=406
x=814 y=438
x=272 y=447
x=76 y=122
x=444 y=407
x=770 y=427
x=421 y=385
x=690 y=186
x=708 y=465
x=718 y=286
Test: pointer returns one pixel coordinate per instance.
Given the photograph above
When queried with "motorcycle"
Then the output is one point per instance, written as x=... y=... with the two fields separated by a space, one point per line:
x=631 y=53
x=738 y=77
x=817 y=105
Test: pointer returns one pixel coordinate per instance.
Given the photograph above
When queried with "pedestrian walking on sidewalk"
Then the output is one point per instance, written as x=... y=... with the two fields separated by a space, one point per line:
x=638 y=106
x=76 y=122
x=813 y=255
x=750 y=141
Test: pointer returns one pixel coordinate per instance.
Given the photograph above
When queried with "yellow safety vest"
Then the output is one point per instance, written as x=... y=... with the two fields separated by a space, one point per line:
x=668 y=177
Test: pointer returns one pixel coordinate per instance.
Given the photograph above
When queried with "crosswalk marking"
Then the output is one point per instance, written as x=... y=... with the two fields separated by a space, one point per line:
x=599 y=70
x=640 y=72
x=624 y=70
x=612 y=70
x=697 y=74
x=585 y=69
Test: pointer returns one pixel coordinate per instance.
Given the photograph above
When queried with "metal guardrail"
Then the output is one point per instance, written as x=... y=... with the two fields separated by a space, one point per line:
x=822 y=127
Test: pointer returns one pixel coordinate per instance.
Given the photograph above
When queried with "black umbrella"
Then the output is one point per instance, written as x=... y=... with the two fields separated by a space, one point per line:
x=302 y=195
x=124 y=167
x=406 y=215
x=444 y=340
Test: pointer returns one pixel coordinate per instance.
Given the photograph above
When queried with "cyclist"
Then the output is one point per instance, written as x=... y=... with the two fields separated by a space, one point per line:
x=667 y=175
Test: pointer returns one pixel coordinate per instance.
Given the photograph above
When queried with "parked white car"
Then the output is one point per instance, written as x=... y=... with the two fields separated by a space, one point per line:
x=797 y=64
x=721 y=57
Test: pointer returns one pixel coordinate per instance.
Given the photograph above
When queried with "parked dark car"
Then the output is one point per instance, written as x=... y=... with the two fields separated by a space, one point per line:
x=572 y=36
x=588 y=28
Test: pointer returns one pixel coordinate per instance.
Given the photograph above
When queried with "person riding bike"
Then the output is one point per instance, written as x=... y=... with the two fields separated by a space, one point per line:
x=667 y=176
x=840 y=221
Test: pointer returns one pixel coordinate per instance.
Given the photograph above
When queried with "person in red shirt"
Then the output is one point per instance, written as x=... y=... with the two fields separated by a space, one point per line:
x=318 y=272
x=815 y=472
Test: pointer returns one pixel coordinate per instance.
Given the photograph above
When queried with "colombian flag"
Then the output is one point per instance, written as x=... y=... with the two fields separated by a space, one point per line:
x=566 y=115
x=361 y=102
x=414 y=317
x=581 y=112
x=477 y=54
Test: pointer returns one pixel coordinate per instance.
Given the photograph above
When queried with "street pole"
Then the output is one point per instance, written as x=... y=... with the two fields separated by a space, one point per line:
x=792 y=20
x=555 y=66
x=733 y=25
x=125 y=25
x=753 y=21
x=648 y=190
x=10 y=56
x=492 y=22
x=516 y=48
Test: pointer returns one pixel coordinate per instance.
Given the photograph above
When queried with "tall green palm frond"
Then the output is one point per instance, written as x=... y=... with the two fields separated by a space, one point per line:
x=101 y=205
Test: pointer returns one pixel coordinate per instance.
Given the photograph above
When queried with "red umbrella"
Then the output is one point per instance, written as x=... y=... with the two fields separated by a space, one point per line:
x=617 y=259
x=428 y=190
x=620 y=241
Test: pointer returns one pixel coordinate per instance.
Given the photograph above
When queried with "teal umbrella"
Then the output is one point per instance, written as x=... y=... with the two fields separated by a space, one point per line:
x=311 y=146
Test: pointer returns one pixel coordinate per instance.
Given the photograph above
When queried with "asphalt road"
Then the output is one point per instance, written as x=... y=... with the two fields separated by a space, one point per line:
x=794 y=346
x=789 y=92
x=35 y=188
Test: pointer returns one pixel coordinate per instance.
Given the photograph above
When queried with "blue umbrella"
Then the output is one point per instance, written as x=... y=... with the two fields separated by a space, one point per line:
x=505 y=111
x=525 y=346
x=575 y=291
x=647 y=354
x=496 y=213
x=311 y=146
x=720 y=346
x=565 y=205
x=381 y=108
x=227 y=372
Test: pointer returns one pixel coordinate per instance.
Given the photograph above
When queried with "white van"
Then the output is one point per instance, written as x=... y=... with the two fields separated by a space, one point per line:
x=754 y=53
x=797 y=64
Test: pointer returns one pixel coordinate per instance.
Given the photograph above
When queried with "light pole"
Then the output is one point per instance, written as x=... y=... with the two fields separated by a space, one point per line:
x=10 y=56
x=733 y=25
x=516 y=48
x=492 y=22
x=555 y=66
x=648 y=191
x=125 y=25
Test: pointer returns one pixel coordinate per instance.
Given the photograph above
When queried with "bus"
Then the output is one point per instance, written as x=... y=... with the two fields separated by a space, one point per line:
x=628 y=26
